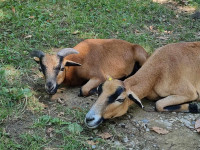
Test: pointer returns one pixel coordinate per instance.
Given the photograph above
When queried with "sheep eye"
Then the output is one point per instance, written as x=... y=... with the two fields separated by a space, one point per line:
x=120 y=100
x=62 y=69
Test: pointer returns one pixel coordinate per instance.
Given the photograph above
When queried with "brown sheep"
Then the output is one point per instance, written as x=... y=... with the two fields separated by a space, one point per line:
x=96 y=59
x=170 y=75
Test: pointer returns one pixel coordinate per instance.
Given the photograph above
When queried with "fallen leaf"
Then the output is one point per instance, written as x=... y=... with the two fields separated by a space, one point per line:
x=160 y=130
x=92 y=142
x=49 y=132
x=13 y=9
x=28 y=36
x=32 y=17
x=197 y=125
x=105 y=135
x=137 y=31
x=76 y=32
x=59 y=100
x=151 y=27
x=61 y=114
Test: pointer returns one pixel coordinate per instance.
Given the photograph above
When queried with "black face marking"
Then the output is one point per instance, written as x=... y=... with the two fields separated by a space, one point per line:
x=43 y=67
x=136 y=101
x=113 y=97
x=58 y=67
x=193 y=108
x=72 y=64
x=173 y=107
x=135 y=69
x=99 y=89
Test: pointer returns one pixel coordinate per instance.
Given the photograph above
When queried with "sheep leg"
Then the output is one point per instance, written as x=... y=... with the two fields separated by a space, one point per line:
x=176 y=103
x=90 y=87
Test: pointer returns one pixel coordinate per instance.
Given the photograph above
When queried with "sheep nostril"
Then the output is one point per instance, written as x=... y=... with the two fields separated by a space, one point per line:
x=89 y=119
x=49 y=86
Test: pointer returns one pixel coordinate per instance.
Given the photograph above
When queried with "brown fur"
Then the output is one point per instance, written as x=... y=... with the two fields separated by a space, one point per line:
x=98 y=58
x=171 y=74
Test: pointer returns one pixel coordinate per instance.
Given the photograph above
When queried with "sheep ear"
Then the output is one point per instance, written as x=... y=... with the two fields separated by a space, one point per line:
x=134 y=98
x=72 y=63
x=67 y=51
x=37 y=55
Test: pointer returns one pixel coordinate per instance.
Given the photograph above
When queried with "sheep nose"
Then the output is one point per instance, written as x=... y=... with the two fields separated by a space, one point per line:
x=49 y=85
x=89 y=119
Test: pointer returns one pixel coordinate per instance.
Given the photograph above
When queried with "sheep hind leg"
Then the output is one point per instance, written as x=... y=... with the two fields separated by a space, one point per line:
x=192 y=107
x=90 y=87
x=177 y=103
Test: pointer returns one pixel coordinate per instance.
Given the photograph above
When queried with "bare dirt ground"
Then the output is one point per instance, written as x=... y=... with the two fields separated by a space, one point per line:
x=134 y=129
x=131 y=131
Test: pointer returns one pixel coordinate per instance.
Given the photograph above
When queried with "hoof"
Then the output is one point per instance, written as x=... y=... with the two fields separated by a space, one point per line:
x=80 y=93
x=93 y=91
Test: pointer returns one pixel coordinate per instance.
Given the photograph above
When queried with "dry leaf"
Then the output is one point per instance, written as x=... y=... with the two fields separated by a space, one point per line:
x=105 y=135
x=61 y=114
x=49 y=132
x=137 y=31
x=13 y=9
x=198 y=130
x=160 y=130
x=60 y=101
x=151 y=27
x=92 y=142
x=76 y=32
x=32 y=17
x=197 y=125
x=28 y=36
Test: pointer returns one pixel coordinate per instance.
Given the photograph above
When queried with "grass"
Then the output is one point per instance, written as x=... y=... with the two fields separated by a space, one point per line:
x=26 y=25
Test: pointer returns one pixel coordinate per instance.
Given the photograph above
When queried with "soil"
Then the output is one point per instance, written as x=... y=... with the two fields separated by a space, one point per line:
x=134 y=128
x=131 y=131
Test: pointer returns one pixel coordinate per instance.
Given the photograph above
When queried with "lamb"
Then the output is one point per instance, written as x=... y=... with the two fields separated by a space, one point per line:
x=96 y=59
x=170 y=75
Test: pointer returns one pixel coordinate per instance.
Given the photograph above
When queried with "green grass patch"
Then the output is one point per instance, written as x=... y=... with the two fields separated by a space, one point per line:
x=26 y=25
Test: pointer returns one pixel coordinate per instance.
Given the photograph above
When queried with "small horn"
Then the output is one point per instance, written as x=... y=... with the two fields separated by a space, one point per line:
x=67 y=51
x=37 y=53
